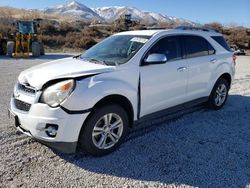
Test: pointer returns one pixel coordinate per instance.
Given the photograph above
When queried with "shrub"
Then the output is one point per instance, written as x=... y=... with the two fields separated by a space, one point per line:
x=65 y=28
x=54 y=41
x=49 y=29
x=215 y=26
x=84 y=43
x=91 y=32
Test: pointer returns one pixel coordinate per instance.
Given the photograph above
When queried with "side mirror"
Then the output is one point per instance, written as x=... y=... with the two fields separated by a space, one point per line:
x=156 y=58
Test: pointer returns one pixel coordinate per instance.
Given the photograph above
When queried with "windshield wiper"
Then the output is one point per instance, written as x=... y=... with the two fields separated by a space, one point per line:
x=76 y=56
x=97 y=61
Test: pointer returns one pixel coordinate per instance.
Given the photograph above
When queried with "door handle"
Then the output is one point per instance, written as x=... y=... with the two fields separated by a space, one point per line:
x=213 y=60
x=181 y=69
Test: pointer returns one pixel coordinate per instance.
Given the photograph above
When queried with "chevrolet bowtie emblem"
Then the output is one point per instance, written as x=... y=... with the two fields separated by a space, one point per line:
x=24 y=81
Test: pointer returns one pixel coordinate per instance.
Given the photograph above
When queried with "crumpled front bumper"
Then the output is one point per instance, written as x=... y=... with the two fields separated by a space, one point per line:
x=33 y=123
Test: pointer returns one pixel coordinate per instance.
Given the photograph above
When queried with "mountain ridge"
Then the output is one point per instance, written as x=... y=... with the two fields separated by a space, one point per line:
x=111 y=13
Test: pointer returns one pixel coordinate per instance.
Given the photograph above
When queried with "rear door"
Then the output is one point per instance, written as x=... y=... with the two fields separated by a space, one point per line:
x=163 y=85
x=201 y=61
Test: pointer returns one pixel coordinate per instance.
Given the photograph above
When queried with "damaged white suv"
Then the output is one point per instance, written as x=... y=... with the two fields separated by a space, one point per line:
x=91 y=101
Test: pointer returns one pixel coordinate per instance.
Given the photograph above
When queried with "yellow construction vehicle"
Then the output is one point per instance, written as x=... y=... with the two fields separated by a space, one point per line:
x=3 y=44
x=26 y=40
x=124 y=23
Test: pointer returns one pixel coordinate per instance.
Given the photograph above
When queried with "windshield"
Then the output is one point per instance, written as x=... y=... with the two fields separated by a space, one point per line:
x=26 y=27
x=115 y=50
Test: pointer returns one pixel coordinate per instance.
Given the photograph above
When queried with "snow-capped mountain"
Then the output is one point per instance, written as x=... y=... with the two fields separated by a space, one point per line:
x=74 y=9
x=180 y=21
x=110 y=14
x=113 y=13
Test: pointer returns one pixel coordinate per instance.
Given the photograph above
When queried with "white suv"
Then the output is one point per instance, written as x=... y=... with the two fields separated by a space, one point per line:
x=92 y=100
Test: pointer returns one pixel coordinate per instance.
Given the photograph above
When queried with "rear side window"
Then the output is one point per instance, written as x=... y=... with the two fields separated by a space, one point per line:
x=197 y=46
x=222 y=42
x=170 y=46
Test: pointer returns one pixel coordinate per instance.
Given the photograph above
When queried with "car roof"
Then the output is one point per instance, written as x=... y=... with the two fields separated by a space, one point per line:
x=169 y=31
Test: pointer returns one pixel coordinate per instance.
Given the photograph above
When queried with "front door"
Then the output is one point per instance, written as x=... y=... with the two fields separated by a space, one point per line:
x=163 y=85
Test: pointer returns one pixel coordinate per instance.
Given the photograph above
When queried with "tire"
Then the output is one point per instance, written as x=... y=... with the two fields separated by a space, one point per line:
x=42 y=49
x=94 y=130
x=10 y=48
x=219 y=94
x=3 y=47
x=35 y=47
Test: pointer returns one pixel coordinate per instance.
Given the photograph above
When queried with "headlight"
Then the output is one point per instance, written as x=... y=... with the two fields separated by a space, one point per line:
x=57 y=93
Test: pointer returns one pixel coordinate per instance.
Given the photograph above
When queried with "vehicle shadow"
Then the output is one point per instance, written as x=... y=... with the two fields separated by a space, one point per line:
x=204 y=148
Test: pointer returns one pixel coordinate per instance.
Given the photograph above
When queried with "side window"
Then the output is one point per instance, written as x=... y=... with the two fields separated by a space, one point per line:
x=197 y=46
x=222 y=42
x=169 y=46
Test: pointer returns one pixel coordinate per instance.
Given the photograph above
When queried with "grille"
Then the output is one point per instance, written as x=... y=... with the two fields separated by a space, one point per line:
x=26 y=89
x=20 y=105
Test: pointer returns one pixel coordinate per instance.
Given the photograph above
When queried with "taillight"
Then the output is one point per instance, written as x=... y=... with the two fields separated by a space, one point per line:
x=234 y=59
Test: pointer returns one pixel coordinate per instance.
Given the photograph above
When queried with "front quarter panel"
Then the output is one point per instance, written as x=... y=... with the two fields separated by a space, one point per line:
x=91 y=90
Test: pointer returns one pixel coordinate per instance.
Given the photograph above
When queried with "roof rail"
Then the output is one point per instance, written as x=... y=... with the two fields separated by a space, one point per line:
x=195 y=28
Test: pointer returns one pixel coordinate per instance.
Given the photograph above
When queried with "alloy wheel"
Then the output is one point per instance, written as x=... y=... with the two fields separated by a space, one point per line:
x=107 y=131
x=220 y=95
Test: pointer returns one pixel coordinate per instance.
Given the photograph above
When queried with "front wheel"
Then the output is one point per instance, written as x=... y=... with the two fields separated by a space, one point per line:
x=10 y=48
x=105 y=130
x=219 y=94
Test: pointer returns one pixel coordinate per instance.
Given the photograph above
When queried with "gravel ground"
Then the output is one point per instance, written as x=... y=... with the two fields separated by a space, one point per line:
x=199 y=147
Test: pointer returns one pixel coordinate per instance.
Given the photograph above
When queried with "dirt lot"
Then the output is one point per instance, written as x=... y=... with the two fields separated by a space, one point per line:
x=200 y=148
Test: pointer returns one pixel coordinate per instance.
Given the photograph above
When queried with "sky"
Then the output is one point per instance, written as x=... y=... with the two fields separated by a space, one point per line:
x=227 y=12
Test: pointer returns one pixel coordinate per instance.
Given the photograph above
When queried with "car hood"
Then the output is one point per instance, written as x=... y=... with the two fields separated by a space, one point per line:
x=38 y=75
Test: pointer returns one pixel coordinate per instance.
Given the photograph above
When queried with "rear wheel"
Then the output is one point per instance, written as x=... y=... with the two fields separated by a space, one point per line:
x=105 y=130
x=10 y=48
x=219 y=94
x=35 y=47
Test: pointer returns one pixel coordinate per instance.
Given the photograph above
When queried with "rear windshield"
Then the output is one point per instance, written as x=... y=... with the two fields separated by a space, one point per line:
x=222 y=42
